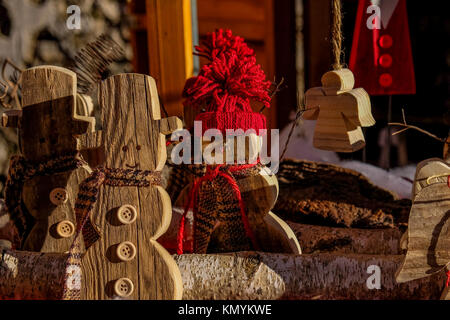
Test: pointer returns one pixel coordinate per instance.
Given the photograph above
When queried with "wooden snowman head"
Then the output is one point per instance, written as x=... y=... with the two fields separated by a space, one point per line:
x=47 y=122
x=133 y=134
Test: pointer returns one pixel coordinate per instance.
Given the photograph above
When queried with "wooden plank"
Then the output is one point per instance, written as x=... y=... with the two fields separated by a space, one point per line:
x=170 y=49
x=132 y=138
x=254 y=21
x=251 y=31
x=317 y=17
x=235 y=10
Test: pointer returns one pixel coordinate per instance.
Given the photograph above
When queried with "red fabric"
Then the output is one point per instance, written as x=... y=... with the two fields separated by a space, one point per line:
x=227 y=120
x=228 y=84
x=381 y=59
x=447 y=283
x=210 y=175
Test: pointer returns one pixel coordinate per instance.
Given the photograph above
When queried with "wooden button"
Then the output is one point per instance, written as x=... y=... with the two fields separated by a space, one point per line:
x=123 y=287
x=58 y=196
x=65 y=229
x=386 y=41
x=127 y=214
x=126 y=251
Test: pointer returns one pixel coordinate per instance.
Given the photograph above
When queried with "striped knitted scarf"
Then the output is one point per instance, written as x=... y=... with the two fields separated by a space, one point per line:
x=21 y=170
x=87 y=197
x=215 y=197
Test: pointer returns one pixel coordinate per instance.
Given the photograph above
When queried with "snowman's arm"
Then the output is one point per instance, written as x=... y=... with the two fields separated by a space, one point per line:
x=170 y=124
x=10 y=118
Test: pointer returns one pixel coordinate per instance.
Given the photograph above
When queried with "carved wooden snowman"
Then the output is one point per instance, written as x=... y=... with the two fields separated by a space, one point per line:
x=232 y=199
x=129 y=214
x=427 y=239
x=43 y=182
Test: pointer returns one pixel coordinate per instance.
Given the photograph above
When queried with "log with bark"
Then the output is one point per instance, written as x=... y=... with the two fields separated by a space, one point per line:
x=242 y=275
x=312 y=239
x=319 y=239
x=31 y=275
x=257 y=275
x=325 y=194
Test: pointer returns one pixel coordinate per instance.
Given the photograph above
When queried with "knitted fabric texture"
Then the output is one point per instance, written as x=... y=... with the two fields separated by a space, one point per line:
x=214 y=199
x=87 y=197
x=20 y=171
x=227 y=85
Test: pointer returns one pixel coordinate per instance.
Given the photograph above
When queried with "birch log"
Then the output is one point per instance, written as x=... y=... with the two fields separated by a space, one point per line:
x=243 y=275
x=31 y=275
x=257 y=275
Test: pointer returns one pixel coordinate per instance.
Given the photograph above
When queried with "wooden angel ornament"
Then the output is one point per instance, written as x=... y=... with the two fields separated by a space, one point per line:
x=428 y=235
x=231 y=200
x=121 y=208
x=340 y=112
x=43 y=181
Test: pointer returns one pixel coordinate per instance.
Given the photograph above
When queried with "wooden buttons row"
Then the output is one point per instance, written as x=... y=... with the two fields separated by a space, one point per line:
x=125 y=251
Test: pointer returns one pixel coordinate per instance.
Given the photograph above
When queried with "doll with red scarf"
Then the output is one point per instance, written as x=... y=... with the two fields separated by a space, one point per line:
x=231 y=203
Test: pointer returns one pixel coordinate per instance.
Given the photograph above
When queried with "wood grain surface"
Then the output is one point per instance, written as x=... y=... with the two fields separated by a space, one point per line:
x=132 y=138
x=340 y=112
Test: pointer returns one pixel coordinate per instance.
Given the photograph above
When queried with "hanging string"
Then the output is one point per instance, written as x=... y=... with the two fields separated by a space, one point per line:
x=336 y=34
x=336 y=43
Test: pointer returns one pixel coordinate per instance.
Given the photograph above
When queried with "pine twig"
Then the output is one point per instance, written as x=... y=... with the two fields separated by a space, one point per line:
x=301 y=108
x=277 y=89
x=10 y=85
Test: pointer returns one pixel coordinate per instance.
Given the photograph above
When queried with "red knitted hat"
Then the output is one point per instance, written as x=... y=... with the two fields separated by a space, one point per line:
x=227 y=84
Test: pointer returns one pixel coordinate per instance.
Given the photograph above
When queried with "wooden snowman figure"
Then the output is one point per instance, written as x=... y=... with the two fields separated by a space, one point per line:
x=427 y=239
x=43 y=181
x=125 y=206
x=232 y=198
